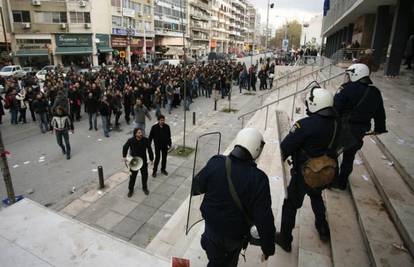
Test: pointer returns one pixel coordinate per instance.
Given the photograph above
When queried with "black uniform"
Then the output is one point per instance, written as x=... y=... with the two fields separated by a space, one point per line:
x=308 y=138
x=225 y=224
x=138 y=149
x=162 y=142
x=372 y=107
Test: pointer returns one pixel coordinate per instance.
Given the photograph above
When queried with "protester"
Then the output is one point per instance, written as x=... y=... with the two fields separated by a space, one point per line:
x=61 y=124
x=161 y=135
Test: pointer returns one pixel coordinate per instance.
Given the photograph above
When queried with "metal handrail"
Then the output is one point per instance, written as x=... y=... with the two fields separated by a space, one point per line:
x=294 y=80
x=285 y=97
x=294 y=71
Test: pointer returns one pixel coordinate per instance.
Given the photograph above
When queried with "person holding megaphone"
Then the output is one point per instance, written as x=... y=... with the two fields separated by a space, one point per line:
x=138 y=147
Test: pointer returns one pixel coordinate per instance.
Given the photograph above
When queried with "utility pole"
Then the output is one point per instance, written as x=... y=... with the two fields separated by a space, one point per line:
x=269 y=6
x=6 y=172
x=184 y=71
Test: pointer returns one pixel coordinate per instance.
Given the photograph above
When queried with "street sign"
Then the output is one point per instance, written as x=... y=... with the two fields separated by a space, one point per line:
x=285 y=44
x=122 y=54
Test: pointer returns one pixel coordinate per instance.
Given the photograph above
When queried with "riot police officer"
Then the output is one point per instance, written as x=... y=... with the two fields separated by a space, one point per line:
x=226 y=226
x=309 y=137
x=357 y=102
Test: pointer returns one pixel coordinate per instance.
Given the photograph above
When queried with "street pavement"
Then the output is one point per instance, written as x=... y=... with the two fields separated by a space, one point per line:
x=40 y=171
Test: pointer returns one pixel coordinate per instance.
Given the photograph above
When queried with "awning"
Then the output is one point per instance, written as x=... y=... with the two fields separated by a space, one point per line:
x=32 y=53
x=73 y=50
x=105 y=49
x=172 y=51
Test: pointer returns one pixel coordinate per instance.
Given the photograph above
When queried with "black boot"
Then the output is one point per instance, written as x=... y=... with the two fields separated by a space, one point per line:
x=130 y=193
x=323 y=230
x=283 y=242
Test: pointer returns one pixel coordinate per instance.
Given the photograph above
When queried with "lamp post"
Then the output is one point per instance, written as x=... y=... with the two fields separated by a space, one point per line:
x=130 y=31
x=184 y=71
x=269 y=6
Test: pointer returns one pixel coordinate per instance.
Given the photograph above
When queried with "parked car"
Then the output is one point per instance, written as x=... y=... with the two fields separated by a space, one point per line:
x=16 y=70
x=30 y=70
x=41 y=74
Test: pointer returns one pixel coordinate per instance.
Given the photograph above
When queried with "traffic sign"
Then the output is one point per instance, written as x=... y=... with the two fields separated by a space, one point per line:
x=122 y=54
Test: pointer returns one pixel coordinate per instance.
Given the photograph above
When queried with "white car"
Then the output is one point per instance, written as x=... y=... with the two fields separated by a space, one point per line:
x=7 y=71
x=41 y=74
x=174 y=62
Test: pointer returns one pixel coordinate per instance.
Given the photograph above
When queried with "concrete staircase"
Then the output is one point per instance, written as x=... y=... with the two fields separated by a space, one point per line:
x=371 y=223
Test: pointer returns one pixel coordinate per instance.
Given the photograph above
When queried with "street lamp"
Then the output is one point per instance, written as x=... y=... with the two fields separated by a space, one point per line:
x=130 y=32
x=269 y=6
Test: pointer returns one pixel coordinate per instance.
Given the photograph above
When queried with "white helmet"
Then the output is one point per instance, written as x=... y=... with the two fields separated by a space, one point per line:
x=318 y=98
x=252 y=140
x=357 y=71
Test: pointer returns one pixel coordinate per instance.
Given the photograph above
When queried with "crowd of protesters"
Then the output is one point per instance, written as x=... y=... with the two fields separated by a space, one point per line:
x=117 y=91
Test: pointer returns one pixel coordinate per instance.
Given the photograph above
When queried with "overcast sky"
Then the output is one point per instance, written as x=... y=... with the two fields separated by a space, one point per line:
x=302 y=10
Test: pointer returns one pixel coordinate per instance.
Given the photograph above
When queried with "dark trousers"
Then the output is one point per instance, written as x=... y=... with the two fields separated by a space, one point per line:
x=117 y=116
x=93 y=121
x=144 y=178
x=163 y=151
x=347 y=164
x=127 y=113
x=63 y=135
x=297 y=190
x=221 y=252
x=32 y=113
x=22 y=115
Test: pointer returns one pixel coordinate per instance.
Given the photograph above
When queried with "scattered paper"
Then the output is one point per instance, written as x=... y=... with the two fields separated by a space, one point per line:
x=89 y=136
x=26 y=162
x=399 y=246
x=99 y=140
x=392 y=109
x=42 y=157
x=401 y=141
x=41 y=160
x=365 y=177
x=100 y=192
x=15 y=166
x=276 y=178
x=384 y=157
x=94 y=170
x=357 y=162
x=167 y=215
x=30 y=191
x=390 y=163
x=73 y=190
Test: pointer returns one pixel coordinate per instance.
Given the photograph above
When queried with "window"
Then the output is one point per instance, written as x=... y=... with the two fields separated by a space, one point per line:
x=136 y=7
x=147 y=10
x=116 y=3
x=80 y=17
x=21 y=16
x=128 y=22
x=116 y=21
x=51 y=17
x=148 y=26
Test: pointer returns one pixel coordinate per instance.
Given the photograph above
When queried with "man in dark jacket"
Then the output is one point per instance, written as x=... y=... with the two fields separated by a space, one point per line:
x=311 y=137
x=226 y=226
x=138 y=147
x=161 y=135
x=40 y=107
x=360 y=102
x=91 y=107
x=105 y=111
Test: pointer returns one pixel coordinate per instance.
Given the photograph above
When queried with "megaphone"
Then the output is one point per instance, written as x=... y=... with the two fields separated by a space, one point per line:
x=134 y=163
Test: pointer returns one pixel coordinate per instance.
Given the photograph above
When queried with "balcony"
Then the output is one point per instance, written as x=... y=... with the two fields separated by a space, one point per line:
x=200 y=4
x=337 y=10
x=199 y=37
x=199 y=16
x=200 y=27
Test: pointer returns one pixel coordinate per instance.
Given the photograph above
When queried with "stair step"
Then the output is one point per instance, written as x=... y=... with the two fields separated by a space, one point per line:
x=397 y=196
x=347 y=245
x=312 y=251
x=379 y=233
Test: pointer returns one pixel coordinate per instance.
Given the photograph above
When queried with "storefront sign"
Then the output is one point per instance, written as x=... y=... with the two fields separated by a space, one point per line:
x=33 y=46
x=120 y=31
x=119 y=41
x=103 y=40
x=74 y=40
x=135 y=42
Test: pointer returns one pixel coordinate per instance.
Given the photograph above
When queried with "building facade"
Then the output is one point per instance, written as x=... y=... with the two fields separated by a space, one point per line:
x=381 y=25
x=79 y=32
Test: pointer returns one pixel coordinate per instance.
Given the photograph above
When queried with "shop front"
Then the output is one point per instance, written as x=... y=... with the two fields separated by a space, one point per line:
x=119 y=45
x=33 y=52
x=139 y=53
x=103 y=48
x=74 y=49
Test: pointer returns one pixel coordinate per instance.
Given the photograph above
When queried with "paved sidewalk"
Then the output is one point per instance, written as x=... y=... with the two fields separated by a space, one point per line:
x=139 y=218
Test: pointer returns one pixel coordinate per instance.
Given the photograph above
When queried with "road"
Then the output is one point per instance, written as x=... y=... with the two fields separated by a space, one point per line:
x=36 y=162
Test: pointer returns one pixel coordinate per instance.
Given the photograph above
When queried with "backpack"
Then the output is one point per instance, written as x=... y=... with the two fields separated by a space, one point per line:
x=346 y=138
x=320 y=171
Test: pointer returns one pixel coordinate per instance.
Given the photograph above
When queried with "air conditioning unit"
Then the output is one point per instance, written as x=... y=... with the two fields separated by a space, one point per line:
x=82 y=4
x=87 y=25
x=26 y=25
x=36 y=2
x=63 y=26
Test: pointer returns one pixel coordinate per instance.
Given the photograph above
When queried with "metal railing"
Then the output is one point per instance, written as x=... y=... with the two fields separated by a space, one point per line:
x=294 y=80
x=323 y=82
